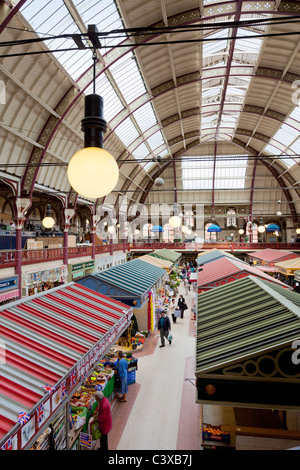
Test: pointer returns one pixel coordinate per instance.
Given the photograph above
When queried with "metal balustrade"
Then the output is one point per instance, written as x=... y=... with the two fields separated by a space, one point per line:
x=8 y=258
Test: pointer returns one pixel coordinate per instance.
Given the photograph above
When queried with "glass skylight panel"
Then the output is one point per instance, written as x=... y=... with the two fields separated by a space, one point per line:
x=128 y=78
x=295 y=147
x=295 y=114
x=127 y=132
x=156 y=140
x=209 y=92
x=147 y=166
x=272 y=150
x=141 y=152
x=252 y=45
x=213 y=47
x=286 y=135
x=145 y=117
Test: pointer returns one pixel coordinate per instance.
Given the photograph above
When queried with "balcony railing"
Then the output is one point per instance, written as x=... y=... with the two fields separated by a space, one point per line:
x=8 y=258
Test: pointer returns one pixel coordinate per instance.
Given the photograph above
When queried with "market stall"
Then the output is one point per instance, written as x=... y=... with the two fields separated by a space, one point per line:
x=52 y=342
x=268 y=257
x=225 y=270
x=159 y=262
x=135 y=283
x=213 y=255
x=286 y=269
x=248 y=357
x=166 y=254
x=41 y=280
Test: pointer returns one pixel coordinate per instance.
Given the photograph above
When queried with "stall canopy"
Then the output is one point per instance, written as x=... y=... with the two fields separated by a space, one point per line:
x=288 y=267
x=44 y=340
x=128 y=281
x=270 y=256
x=225 y=270
x=246 y=353
x=159 y=262
x=212 y=255
x=169 y=255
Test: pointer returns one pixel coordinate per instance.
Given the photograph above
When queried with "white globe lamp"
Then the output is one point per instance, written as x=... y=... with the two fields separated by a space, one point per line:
x=48 y=220
x=93 y=172
x=175 y=221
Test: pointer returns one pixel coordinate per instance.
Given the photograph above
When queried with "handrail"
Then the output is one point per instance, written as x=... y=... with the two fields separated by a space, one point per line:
x=8 y=258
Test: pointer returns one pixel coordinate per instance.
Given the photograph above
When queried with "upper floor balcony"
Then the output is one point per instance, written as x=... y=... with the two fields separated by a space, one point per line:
x=8 y=258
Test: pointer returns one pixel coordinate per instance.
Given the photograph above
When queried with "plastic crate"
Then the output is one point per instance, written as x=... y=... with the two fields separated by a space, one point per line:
x=211 y=436
x=131 y=377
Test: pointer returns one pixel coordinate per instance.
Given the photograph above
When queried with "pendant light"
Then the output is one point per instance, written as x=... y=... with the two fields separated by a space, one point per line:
x=48 y=220
x=92 y=171
x=175 y=220
x=279 y=213
x=261 y=228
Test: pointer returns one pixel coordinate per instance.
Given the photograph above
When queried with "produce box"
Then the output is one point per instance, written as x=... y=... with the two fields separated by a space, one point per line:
x=214 y=433
x=131 y=377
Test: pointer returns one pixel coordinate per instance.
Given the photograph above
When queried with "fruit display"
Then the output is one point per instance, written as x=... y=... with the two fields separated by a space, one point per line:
x=214 y=433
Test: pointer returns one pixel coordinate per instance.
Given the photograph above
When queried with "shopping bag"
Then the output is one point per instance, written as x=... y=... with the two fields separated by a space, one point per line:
x=177 y=313
x=170 y=337
x=96 y=433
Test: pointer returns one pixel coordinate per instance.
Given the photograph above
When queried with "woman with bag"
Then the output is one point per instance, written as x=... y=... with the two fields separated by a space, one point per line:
x=181 y=305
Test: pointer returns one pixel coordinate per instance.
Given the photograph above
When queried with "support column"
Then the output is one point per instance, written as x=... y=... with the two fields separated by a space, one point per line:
x=94 y=219
x=111 y=242
x=21 y=207
x=68 y=214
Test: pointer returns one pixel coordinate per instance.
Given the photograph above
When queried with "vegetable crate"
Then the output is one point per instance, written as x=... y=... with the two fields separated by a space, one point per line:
x=131 y=377
x=214 y=433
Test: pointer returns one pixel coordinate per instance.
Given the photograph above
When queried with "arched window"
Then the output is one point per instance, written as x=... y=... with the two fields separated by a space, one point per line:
x=168 y=233
x=231 y=219
x=146 y=235
x=209 y=236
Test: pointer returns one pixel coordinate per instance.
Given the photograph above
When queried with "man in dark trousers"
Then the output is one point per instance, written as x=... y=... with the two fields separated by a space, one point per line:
x=164 y=326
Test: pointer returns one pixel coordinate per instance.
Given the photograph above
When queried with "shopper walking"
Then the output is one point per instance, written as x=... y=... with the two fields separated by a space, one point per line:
x=103 y=413
x=181 y=305
x=164 y=327
x=121 y=369
x=172 y=310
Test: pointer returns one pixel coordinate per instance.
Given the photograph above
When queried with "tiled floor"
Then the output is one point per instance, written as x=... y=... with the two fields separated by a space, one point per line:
x=161 y=412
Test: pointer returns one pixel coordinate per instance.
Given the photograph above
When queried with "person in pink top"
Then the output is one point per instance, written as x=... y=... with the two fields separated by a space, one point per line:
x=104 y=419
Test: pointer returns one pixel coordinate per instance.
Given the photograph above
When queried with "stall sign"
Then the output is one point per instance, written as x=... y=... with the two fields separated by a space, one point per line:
x=83 y=266
x=8 y=283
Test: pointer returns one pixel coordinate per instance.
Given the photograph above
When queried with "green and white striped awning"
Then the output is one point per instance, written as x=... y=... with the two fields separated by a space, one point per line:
x=136 y=276
x=169 y=255
x=242 y=319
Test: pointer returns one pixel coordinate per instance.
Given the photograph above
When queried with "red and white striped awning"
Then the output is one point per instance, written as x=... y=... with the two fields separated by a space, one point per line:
x=52 y=339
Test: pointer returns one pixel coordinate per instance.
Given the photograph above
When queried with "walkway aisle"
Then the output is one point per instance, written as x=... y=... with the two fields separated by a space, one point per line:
x=161 y=413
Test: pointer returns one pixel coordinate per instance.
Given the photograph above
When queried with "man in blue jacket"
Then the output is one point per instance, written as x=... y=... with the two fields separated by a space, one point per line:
x=164 y=326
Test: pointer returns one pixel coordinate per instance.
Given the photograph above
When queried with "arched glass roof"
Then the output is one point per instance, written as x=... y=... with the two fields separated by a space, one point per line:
x=227 y=81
